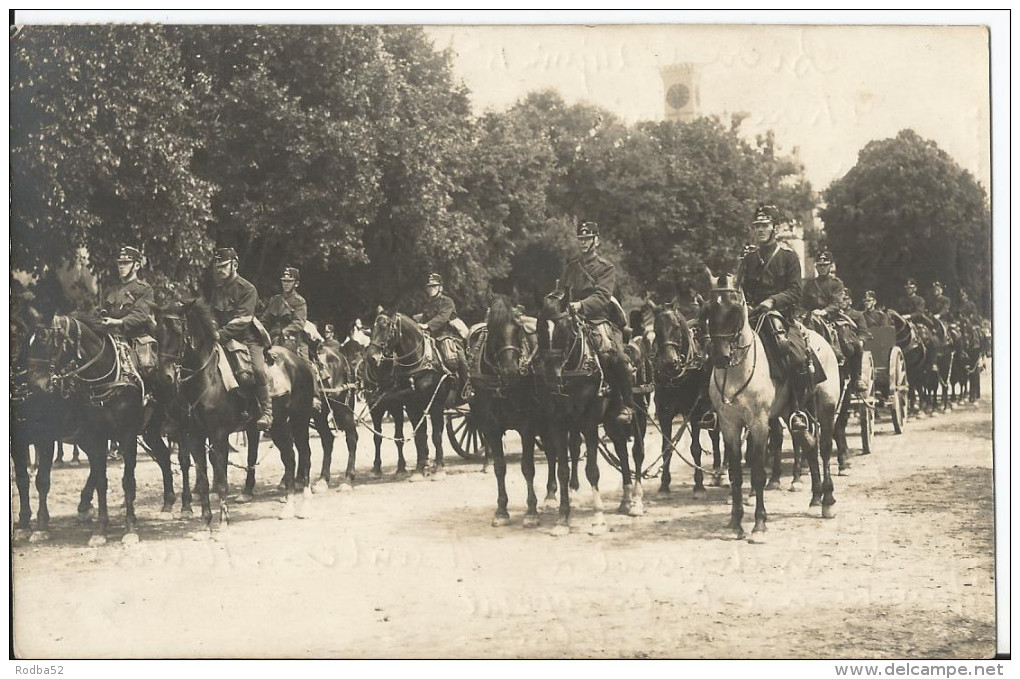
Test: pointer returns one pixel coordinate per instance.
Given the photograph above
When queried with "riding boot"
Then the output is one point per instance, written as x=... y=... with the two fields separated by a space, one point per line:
x=265 y=420
x=709 y=420
x=857 y=384
x=618 y=373
x=465 y=378
x=801 y=383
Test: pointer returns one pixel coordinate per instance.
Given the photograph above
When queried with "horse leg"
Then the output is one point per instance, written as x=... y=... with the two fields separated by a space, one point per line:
x=252 y=436
x=436 y=418
x=96 y=450
x=420 y=443
x=320 y=419
x=640 y=425
x=775 y=451
x=129 y=453
x=591 y=469
x=839 y=433
x=628 y=480
x=161 y=453
x=558 y=442
x=732 y=446
x=716 y=456
x=528 y=470
x=551 y=502
x=220 y=450
x=44 y=458
x=284 y=442
x=203 y=457
x=575 y=457
x=184 y=460
x=85 y=511
x=824 y=447
x=350 y=428
x=398 y=434
x=494 y=437
x=665 y=415
x=757 y=444
x=377 y=418
x=299 y=434
x=20 y=457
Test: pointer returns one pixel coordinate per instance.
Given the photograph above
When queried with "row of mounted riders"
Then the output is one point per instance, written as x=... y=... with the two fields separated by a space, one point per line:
x=542 y=377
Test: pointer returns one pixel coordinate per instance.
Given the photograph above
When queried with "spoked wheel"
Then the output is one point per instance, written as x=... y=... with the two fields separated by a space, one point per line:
x=898 y=389
x=464 y=435
x=867 y=405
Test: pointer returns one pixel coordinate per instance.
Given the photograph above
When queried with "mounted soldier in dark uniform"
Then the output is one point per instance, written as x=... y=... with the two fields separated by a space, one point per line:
x=439 y=317
x=771 y=280
x=591 y=281
x=822 y=298
x=967 y=308
x=127 y=311
x=233 y=301
x=874 y=316
x=940 y=304
x=286 y=314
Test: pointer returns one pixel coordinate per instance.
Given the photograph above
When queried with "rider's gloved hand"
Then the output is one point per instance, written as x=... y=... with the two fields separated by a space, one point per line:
x=575 y=307
x=820 y=312
x=766 y=305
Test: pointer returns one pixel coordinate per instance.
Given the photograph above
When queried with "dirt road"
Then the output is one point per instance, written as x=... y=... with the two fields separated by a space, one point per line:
x=395 y=569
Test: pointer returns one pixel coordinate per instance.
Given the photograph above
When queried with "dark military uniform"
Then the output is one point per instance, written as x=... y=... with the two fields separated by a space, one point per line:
x=940 y=305
x=438 y=313
x=285 y=317
x=591 y=280
x=231 y=300
x=332 y=344
x=823 y=293
x=876 y=318
x=132 y=303
x=859 y=319
x=773 y=272
x=912 y=304
x=968 y=309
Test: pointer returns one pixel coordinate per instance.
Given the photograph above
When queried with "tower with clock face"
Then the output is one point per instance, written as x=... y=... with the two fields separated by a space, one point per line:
x=682 y=97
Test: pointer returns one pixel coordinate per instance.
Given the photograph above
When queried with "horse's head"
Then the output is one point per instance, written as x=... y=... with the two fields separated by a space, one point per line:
x=558 y=329
x=727 y=316
x=385 y=337
x=172 y=338
x=672 y=339
x=506 y=346
x=60 y=348
x=40 y=351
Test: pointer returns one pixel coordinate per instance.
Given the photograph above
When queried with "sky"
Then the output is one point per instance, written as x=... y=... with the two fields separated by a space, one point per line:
x=827 y=89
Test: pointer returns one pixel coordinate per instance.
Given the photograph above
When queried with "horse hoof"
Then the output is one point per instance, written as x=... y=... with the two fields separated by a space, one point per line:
x=664 y=489
x=129 y=539
x=550 y=503
x=288 y=511
x=377 y=473
x=86 y=516
x=598 y=528
x=168 y=508
x=438 y=475
x=97 y=541
x=624 y=508
x=560 y=530
x=500 y=520
x=22 y=534
x=186 y=514
x=738 y=533
x=814 y=502
x=757 y=537
x=636 y=509
x=773 y=485
x=416 y=477
x=244 y=498
x=531 y=521
x=828 y=511
x=699 y=492
x=345 y=487
x=39 y=536
x=485 y=469
x=320 y=486
x=716 y=480
x=843 y=472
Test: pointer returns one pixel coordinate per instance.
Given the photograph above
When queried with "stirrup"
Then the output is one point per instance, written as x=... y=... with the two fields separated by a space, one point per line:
x=798 y=421
x=625 y=415
x=265 y=422
x=709 y=421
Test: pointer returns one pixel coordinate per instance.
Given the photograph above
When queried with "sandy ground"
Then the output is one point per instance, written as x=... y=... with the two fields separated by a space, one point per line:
x=402 y=570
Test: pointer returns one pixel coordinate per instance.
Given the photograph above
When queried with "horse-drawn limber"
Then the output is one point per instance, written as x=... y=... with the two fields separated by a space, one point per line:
x=884 y=372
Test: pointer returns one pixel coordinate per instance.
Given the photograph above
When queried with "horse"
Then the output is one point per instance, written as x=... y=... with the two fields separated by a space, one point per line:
x=421 y=383
x=502 y=374
x=922 y=353
x=338 y=400
x=966 y=373
x=575 y=402
x=82 y=389
x=376 y=382
x=745 y=395
x=189 y=365
x=952 y=342
x=680 y=381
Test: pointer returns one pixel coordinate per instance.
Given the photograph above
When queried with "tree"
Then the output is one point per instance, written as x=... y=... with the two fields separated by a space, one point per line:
x=907 y=209
x=101 y=148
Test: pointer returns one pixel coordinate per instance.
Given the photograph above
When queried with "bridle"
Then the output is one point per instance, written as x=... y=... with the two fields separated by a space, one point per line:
x=738 y=352
x=394 y=339
x=679 y=366
x=75 y=372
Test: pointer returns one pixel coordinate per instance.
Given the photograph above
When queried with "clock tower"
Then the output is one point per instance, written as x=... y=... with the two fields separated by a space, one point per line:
x=682 y=94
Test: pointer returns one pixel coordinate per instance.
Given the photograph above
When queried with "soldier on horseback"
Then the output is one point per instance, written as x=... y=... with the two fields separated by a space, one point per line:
x=823 y=298
x=874 y=316
x=940 y=304
x=286 y=314
x=127 y=310
x=439 y=317
x=233 y=300
x=770 y=278
x=968 y=309
x=592 y=280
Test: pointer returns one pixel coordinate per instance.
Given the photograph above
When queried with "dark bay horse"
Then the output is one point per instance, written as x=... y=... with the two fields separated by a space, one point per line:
x=746 y=396
x=506 y=397
x=80 y=390
x=680 y=381
x=208 y=411
x=377 y=383
x=575 y=402
x=338 y=401
x=922 y=352
x=966 y=374
x=421 y=384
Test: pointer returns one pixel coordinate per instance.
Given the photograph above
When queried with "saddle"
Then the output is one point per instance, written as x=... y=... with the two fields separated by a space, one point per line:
x=239 y=360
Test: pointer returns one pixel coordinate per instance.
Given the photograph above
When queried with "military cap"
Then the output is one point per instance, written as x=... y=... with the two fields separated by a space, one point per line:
x=910 y=281
x=764 y=214
x=329 y=327
x=290 y=273
x=434 y=279
x=936 y=284
x=223 y=255
x=587 y=229
x=870 y=294
x=824 y=258
x=129 y=254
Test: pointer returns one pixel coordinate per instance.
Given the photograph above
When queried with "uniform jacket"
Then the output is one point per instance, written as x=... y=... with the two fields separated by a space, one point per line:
x=591 y=280
x=914 y=304
x=772 y=273
x=438 y=313
x=332 y=344
x=858 y=318
x=876 y=318
x=940 y=305
x=823 y=293
x=285 y=315
x=235 y=299
x=968 y=309
x=132 y=303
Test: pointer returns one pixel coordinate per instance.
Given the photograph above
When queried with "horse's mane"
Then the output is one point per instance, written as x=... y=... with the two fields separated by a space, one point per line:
x=200 y=311
x=681 y=323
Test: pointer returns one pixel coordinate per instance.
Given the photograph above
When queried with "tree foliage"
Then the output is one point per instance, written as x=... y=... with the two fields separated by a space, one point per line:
x=907 y=209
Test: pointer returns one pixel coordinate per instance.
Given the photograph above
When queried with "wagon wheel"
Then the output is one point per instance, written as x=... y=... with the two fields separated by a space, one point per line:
x=898 y=388
x=464 y=435
x=866 y=409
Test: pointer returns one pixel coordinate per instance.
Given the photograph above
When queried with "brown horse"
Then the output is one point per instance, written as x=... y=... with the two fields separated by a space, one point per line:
x=746 y=396
x=338 y=400
x=208 y=411
x=377 y=382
